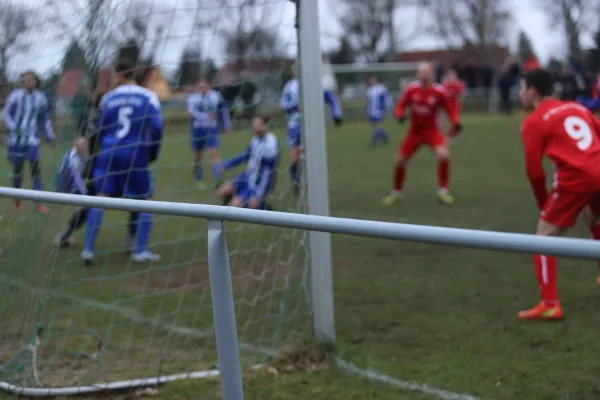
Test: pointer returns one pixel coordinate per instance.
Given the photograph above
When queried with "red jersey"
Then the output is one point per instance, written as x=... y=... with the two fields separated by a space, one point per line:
x=569 y=135
x=454 y=89
x=424 y=103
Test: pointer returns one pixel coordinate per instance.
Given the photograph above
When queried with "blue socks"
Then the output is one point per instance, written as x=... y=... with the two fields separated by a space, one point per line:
x=144 y=227
x=198 y=171
x=216 y=170
x=379 y=136
x=94 y=220
x=36 y=183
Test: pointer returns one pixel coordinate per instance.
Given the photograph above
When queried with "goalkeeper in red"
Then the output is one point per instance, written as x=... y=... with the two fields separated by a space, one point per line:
x=569 y=135
x=425 y=98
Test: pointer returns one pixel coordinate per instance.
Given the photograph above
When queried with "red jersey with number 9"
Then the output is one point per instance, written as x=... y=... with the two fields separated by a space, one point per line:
x=569 y=135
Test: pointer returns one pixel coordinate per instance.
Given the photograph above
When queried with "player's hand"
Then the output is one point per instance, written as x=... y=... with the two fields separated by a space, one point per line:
x=337 y=121
x=254 y=203
x=401 y=119
x=457 y=128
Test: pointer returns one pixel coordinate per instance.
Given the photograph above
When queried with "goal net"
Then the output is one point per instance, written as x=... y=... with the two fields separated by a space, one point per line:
x=67 y=328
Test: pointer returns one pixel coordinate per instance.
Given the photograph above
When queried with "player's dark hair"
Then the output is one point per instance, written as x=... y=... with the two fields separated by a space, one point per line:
x=264 y=118
x=541 y=80
x=125 y=68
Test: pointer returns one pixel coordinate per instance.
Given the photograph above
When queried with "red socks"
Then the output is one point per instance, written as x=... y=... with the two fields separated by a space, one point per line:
x=399 y=173
x=443 y=174
x=545 y=271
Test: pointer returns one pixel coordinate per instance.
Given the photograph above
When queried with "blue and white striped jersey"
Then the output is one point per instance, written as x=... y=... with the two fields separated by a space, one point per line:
x=69 y=175
x=378 y=101
x=207 y=110
x=290 y=100
x=25 y=114
x=129 y=117
x=262 y=156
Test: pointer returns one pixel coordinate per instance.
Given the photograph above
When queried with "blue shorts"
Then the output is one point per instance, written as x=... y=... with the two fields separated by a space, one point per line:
x=242 y=189
x=294 y=136
x=205 y=138
x=18 y=153
x=116 y=173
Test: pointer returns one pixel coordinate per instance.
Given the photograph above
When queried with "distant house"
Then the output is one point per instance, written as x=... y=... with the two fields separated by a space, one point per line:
x=448 y=57
x=74 y=82
x=229 y=73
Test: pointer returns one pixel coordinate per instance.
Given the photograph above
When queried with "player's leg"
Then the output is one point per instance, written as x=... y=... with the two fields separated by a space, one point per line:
x=379 y=134
x=198 y=142
x=559 y=214
x=410 y=145
x=139 y=186
x=33 y=156
x=591 y=216
x=132 y=224
x=16 y=157
x=225 y=192
x=437 y=142
x=295 y=153
x=65 y=239
x=213 y=143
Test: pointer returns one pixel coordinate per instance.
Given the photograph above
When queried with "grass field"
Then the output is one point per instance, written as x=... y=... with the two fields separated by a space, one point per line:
x=440 y=316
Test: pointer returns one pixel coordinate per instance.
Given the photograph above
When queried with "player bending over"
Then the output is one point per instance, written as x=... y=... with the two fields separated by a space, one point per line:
x=424 y=97
x=378 y=104
x=25 y=114
x=252 y=187
x=568 y=134
x=130 y=128
x=454 y=90
x=207 y=107
x=290 y=104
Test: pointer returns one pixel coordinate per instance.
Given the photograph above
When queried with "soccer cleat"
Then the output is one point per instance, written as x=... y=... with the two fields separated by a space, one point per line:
x=145 y=256
x=445 y=198
x=68 y=242
x=42 y=209
x=543 y=311
x=87 y=257
x=19 y=205
x=392 y=198
x=201 y=185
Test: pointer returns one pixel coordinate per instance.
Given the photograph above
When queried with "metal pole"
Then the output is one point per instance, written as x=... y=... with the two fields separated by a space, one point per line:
x=313 y=129
x=221 y=289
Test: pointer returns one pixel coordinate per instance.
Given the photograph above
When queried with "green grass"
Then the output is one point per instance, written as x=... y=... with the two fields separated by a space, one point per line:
x=441 y=316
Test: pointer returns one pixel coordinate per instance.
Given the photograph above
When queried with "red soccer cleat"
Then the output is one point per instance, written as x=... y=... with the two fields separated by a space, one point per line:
x=42 y=209
x=551 y=312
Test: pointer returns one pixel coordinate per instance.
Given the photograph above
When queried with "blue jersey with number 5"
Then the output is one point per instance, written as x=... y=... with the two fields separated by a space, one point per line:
x=129 y=123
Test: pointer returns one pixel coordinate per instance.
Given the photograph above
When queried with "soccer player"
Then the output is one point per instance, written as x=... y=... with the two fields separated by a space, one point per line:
x=378 y=103
x=592 y=103
x=252 y=187
x=454 y=90
x=70 y=179
x=25 y=114
x=130 y=128
x=569 y=135
x=207 y=108
x=425 y=98
x=290 y=104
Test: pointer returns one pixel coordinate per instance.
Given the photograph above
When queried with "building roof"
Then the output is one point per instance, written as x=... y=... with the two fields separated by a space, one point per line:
x=496 y=57
x=229 y=72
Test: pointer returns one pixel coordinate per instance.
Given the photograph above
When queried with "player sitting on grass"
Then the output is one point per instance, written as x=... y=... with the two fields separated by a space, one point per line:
x=379 y=103
x=290 y=104
x=25 y=114
x=207 y=108
x=130 y=128
x=454 y=90
x=252 y=187
x=425 y=98
x=568 y=134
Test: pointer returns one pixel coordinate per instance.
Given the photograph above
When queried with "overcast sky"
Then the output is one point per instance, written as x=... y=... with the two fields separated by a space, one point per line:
x=177 y=14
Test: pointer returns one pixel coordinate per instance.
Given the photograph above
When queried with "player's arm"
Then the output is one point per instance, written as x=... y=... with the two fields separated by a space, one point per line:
x=334 y=104
x=77 y=179
x=45 y=119
x=9 y=109
x=288 y=101
x=534 y=154
x=450 y=109
x=237 y=160
x=223 y=112
x=191 y=107
x=387 y=101
x=268 y=165
x=156 y=128
x=592 y=104
x=403 y=103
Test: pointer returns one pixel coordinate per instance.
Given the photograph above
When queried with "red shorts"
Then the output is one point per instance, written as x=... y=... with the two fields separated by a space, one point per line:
x=563 y=208
x=414 y=140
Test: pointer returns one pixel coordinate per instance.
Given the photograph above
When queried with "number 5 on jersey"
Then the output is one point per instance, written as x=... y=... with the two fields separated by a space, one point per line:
x=579 y=130
x=124 y=122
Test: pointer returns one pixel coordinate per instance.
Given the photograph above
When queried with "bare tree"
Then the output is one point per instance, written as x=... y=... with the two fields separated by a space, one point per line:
x=365 y=25
x=15 y=21
x=481 y=23
x=576 y=17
